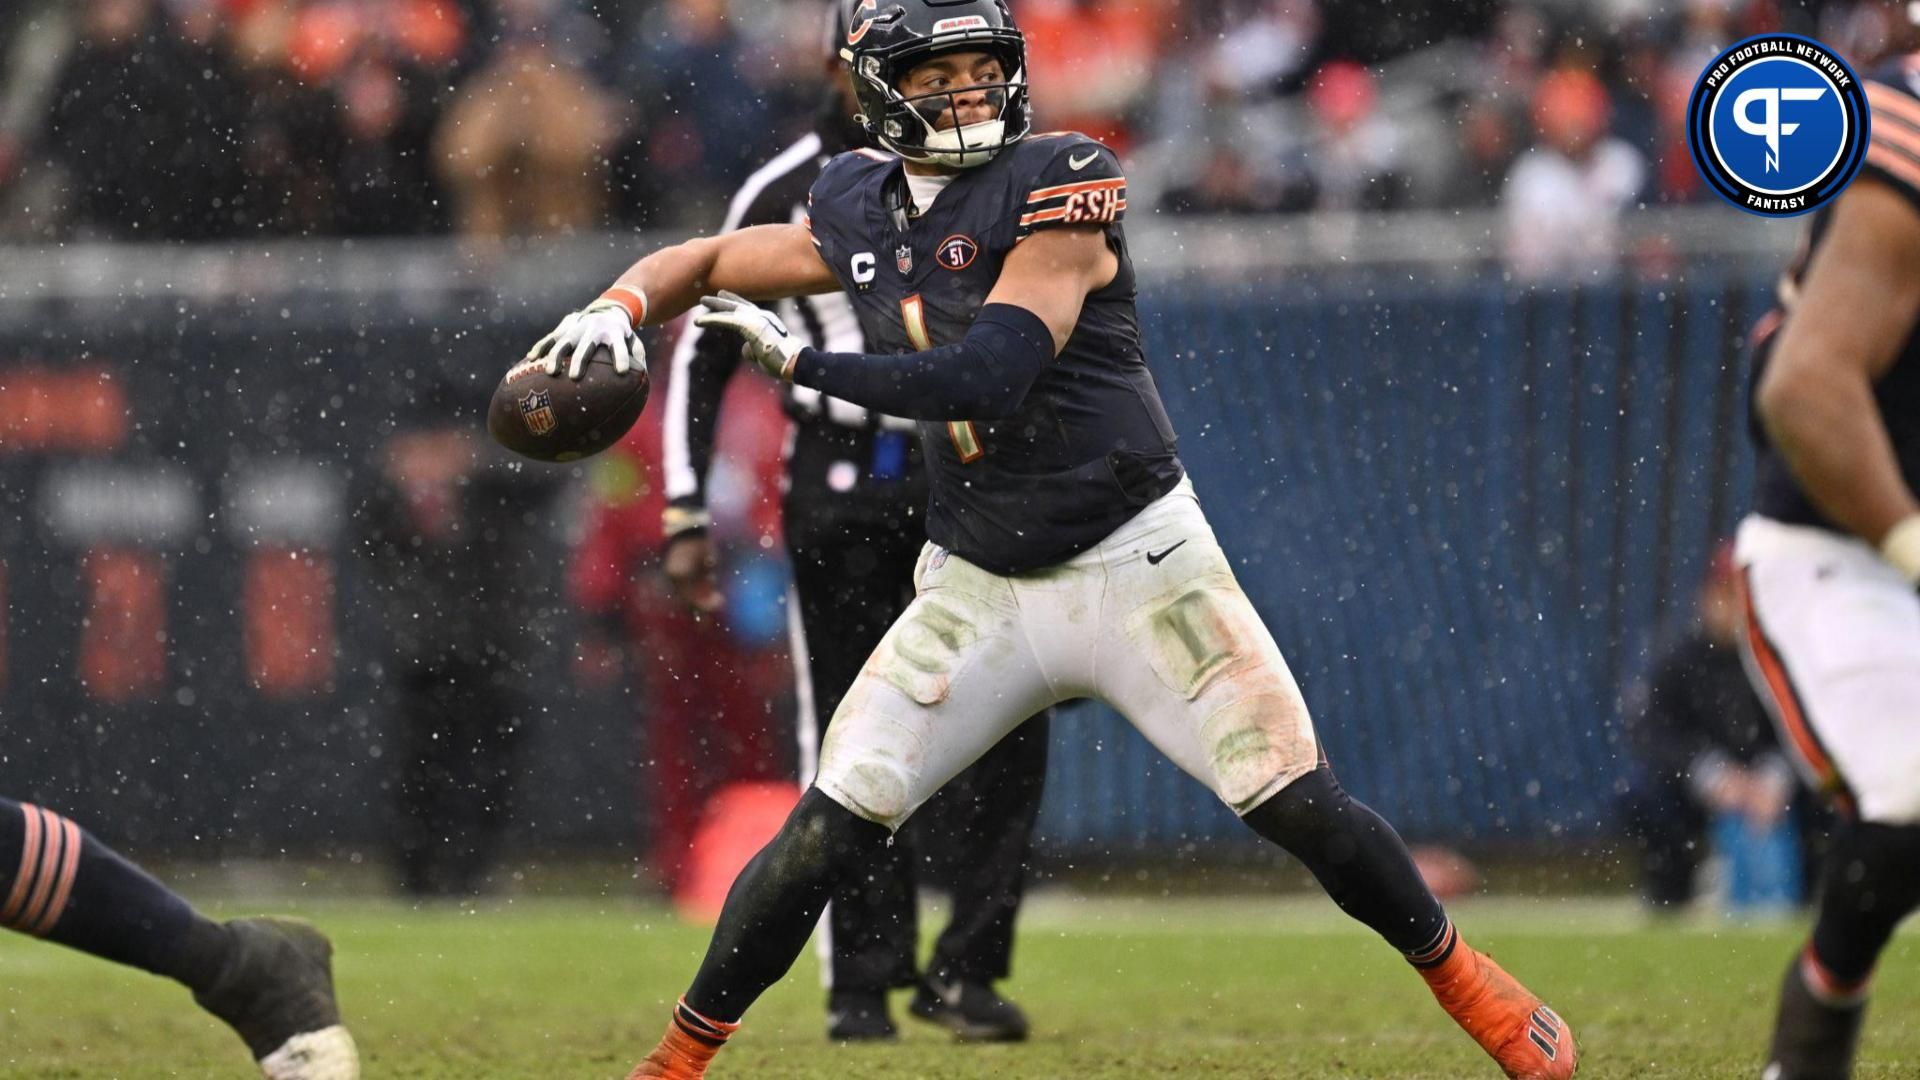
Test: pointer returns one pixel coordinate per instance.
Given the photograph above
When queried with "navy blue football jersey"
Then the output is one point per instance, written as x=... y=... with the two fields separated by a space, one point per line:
x=1091 y=444
x=1893 y=158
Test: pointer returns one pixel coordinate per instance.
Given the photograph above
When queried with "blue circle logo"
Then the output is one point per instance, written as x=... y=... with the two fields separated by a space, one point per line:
x=1778 y=125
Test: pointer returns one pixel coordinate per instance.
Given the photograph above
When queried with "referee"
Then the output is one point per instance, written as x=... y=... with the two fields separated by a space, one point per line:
x=855 y=494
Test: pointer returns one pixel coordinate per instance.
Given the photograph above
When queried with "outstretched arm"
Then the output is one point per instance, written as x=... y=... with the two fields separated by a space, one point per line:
x=1026 y=321
x=765 y=262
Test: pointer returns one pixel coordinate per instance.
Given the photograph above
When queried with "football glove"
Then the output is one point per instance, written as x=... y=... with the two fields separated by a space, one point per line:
x=1901 y=547
x=769 y=343
x=603 y=322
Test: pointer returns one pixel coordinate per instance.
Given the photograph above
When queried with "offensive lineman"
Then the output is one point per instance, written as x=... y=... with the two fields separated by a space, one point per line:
x=271 y=980
x=1069 y=556
x=1832 y=557
x=854 y=487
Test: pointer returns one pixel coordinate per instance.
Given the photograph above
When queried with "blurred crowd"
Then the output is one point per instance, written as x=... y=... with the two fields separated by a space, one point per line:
x=199 y=119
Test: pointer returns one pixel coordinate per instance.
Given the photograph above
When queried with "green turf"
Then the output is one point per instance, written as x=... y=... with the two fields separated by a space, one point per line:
x=1117 y=988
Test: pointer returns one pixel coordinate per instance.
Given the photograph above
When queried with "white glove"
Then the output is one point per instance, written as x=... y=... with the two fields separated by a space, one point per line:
x=602 y=322
x=769 y=343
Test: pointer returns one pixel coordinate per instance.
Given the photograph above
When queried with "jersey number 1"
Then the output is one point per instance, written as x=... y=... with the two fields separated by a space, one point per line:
x=966 y=441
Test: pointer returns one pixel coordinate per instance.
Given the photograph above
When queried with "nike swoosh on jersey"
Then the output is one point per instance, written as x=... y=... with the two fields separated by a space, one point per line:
x=1078 y=163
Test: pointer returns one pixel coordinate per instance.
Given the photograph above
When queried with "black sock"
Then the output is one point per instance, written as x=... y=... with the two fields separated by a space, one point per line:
x=1870 y=883
x=59 y=883
x=775 y=903
x=1357 y=857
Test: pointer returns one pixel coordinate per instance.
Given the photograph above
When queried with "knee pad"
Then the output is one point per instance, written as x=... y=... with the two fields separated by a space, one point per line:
x=872 y=788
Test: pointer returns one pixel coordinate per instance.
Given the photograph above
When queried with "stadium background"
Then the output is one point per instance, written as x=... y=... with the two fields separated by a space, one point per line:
x=1464 y=487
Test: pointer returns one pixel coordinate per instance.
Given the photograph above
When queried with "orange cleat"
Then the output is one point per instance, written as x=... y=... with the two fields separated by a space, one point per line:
x=682 y=1054
x=1525 y=1038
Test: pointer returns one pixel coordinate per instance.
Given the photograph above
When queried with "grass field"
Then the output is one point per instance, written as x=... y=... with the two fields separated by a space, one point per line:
x=1117 y=988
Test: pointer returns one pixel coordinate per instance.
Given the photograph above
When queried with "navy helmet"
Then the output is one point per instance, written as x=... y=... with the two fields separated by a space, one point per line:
x=885 y=39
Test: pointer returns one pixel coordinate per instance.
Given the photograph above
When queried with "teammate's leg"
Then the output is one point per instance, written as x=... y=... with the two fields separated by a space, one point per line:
x=269 y=979
x=851 y=582
x=1185 y=656
x=1871 y=882
x=1833 y=647
x=951 y=677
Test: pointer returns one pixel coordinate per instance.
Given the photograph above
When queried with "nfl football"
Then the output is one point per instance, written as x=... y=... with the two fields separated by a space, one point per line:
x=554 y=418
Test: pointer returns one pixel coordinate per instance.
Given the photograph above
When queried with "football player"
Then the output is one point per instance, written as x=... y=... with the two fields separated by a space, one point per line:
x=855 y=483
x=1831 y=555
x=271 y=980
x=1069 y=555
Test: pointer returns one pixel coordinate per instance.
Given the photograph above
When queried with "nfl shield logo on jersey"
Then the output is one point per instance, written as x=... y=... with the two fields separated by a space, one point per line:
x=537 y=410
x=903 y=258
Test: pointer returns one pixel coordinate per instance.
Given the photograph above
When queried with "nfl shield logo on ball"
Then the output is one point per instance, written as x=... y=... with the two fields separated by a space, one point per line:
x=537 y=410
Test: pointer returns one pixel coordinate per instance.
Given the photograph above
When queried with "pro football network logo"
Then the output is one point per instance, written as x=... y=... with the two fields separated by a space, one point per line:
x=1778 y=125
x=536 y=409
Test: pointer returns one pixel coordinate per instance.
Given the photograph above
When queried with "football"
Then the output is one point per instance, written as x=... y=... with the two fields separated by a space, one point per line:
x=554 y=418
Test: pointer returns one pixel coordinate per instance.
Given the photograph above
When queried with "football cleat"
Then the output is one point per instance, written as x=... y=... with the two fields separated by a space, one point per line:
x=276 y=992
x=686 y=1049
x=678 y=1057
x=859 y=1016
x=971 y=1010
x=1524 y=1037
x=1812 y=1039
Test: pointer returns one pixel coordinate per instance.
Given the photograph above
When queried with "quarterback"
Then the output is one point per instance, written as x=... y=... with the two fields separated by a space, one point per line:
x=1069 y=555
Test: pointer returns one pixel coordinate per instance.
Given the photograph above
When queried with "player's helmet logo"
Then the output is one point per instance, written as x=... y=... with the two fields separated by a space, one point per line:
x=536 y=410
x=956 y=252
x=862 y=20
x=1778 y=125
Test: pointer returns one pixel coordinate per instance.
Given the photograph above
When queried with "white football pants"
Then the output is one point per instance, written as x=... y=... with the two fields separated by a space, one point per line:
x=1150 y=621
x=1833 y=646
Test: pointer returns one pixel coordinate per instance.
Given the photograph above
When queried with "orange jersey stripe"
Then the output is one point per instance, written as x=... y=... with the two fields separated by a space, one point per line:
x=29 y=865
x=1899 y=165
x=69 y=868
x=1897 y=131
x=51 y=852
x=1085 y=185
x=1054 y=214
x=1059 y=212
x=1888 y=101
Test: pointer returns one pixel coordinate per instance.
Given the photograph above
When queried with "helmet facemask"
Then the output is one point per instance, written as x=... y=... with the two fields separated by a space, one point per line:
x=910 y=126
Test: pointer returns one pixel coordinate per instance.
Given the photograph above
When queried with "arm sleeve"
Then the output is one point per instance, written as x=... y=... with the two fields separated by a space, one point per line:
x=984 y=376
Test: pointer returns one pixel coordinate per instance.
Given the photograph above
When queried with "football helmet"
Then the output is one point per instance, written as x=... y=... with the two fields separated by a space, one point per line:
x=885 y=39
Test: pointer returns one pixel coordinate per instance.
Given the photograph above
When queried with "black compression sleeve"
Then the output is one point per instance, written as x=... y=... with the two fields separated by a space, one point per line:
x=984 y=376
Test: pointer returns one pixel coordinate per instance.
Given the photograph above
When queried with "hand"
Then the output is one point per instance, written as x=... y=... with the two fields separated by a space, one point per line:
x=690 y=565
x=602 y=322
x=769 y=343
